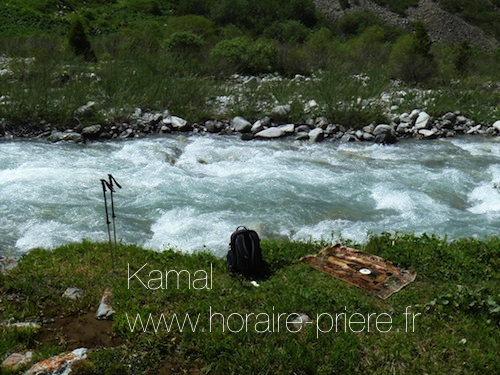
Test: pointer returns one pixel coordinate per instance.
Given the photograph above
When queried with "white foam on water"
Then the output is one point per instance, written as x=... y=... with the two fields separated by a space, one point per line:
x=485 y=198
x=46 y=235
x=193 y=192
x=189 y=230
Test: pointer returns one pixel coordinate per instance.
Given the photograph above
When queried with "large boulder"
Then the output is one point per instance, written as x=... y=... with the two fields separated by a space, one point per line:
x=381 y=129
x=92 y=132
x=241 y=125
x=270 y=133
x=316 y=135
x=496 y=125
x=423 y=121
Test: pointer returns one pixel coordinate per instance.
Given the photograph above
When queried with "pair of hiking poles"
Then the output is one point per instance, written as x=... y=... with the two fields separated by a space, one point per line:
x=109 y=185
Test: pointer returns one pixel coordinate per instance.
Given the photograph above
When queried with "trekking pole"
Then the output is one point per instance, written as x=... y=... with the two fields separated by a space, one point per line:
x=104 y=184
x=113 y=216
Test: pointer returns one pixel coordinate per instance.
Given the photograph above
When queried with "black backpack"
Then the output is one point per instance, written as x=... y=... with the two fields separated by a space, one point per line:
x=245 y=255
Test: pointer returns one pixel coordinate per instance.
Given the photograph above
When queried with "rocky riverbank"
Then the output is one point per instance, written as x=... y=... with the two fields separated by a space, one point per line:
x=417 y=124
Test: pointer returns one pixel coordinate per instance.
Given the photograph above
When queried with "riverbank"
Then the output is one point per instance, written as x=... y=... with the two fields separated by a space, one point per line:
x=453 y=305
x=417 y=124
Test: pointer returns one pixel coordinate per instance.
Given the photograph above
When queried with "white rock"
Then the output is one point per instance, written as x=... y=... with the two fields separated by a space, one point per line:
x=496 y=125
x=241 y=125
x=368 y=136
x=177 y=122
x=104 y=310
x=369 y=128
x=422 y=121
x=270 y=133
x=300 y=321
x=288 y=128
x=414 y=114
x=381 y=129
x=73 y=293
x=427 y=133
x=257 y=126
x=310 y=105
x=316 y=135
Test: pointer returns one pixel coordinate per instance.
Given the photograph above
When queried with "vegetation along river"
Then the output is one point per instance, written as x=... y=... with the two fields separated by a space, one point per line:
x=191 y=193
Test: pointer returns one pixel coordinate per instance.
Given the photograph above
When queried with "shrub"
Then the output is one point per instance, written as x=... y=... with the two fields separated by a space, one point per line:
x=408 y=63
x=184 y=43
x=245 y=56
x=198 y=25
x=290 y=31
x=79 y=42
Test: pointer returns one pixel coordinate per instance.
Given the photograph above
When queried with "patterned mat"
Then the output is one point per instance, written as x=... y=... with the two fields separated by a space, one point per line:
x=366 y=271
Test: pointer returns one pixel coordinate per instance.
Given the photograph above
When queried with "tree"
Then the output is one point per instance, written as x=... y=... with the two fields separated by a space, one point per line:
x=79 y=42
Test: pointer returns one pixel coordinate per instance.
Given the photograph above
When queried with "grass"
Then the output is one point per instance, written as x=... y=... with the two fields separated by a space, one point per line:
x=456 y=292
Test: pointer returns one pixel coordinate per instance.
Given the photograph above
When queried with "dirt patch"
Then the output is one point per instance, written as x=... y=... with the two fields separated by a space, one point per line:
x=79 y=331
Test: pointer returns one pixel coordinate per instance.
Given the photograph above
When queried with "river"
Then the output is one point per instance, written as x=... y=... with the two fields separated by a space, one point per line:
x=190 y=193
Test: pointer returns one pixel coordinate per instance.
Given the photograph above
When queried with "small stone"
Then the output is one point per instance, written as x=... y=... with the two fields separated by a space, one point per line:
x=405 y=117
x=300 y=321
x=414 y=114
x=73 y=293
x=302 y=136
x=179 y=124
x=105 y=311
x=368 y=137
x=84 y=108
x=369 y=128
x=126 y=133
x=403 y=127
x=427 y=133
x=302 y=129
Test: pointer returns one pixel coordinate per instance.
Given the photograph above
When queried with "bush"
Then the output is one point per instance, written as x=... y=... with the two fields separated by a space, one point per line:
x=79 y=42
x=287 y=31
x=408 y=63
x=198 y=25
x=184 y=43
x=245 y=56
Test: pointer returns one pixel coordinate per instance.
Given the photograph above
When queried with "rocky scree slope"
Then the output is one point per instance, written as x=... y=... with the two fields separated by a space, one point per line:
x=443 y=26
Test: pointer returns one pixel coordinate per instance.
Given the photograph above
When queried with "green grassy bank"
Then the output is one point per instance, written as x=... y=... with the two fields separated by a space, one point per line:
x=456 y=293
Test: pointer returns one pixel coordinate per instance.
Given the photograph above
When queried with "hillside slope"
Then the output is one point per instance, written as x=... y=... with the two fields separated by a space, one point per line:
x=442 y=25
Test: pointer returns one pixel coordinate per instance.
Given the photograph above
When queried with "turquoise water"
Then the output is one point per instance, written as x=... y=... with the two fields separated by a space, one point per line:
x=191 y=193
